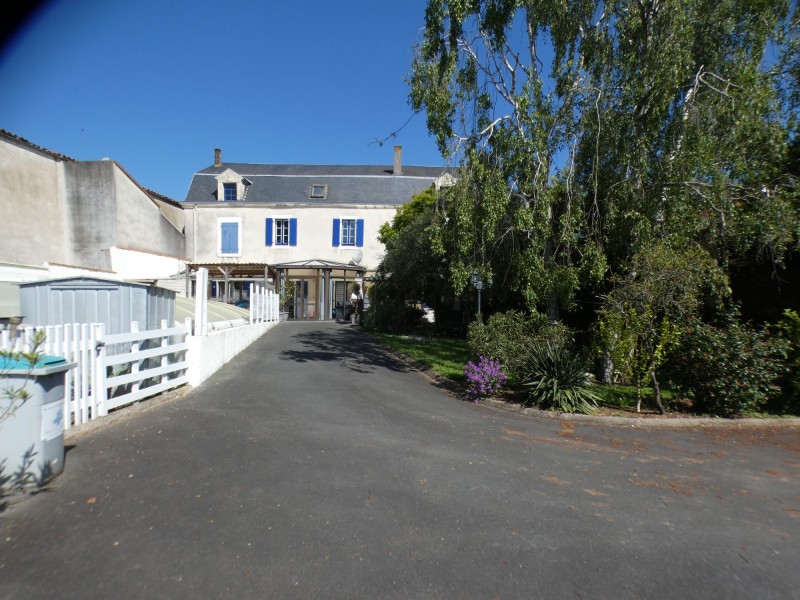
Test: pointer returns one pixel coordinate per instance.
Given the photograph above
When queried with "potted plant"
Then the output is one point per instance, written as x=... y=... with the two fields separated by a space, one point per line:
x=287 y=301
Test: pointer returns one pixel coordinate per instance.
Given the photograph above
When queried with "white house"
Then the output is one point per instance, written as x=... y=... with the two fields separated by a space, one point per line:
x=312 y=227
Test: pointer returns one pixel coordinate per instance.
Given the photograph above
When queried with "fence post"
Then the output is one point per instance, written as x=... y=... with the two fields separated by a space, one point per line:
x=164 y=344
x=201 y=303
x=253 y=302
x=262 y=304
x=24 y=343
x=69 y=379
x=101 y=392
x=91 y=370
x=134 y=349
x=47 y=348
x=57 y=348
x=83 y=358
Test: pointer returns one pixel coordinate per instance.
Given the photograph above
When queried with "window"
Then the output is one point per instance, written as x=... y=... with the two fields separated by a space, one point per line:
x=229 y=240
x=318 y=190
x=281 y=231
x=229 y=192
x=348 y=232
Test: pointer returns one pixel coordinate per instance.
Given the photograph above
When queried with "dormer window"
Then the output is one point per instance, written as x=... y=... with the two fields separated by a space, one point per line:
x=229 y=192
x=318 y=190
x=231 y=187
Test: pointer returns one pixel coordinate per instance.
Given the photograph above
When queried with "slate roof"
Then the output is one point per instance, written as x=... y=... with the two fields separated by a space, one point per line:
x=291 y=184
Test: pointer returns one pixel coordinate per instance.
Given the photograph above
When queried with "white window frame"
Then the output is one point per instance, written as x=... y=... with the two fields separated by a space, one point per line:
x=275 y=219
x=238 y=221
x=341 y=232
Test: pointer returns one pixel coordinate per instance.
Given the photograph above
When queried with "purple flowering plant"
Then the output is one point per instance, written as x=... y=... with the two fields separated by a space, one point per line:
x=484 y=378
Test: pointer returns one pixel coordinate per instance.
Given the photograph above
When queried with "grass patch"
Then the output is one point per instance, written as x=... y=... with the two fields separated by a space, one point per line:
x=445 y=356
x=624 y=396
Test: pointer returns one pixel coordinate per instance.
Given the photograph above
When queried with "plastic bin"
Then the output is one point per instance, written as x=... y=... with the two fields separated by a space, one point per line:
x=36 y=429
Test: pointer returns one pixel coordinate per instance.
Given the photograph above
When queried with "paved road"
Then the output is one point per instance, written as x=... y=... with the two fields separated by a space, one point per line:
x=317 y=467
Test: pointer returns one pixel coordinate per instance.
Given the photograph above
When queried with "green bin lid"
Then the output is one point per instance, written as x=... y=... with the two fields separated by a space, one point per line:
x=19 y=363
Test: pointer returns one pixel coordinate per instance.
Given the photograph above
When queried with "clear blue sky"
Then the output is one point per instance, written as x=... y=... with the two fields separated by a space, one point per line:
x=158 y=84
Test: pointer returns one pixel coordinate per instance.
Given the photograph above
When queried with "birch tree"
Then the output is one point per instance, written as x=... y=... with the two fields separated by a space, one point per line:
x=588 y=131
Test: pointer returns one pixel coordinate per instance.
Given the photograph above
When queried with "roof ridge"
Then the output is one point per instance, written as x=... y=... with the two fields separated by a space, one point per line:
x=21 y=139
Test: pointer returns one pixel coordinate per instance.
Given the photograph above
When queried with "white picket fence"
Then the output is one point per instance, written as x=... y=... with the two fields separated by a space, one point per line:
x=264 y=304
x=111 y=370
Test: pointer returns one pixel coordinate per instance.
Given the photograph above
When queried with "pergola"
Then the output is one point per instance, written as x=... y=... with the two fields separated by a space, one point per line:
x=316 y=279
x=322 y=273
x=228 y=272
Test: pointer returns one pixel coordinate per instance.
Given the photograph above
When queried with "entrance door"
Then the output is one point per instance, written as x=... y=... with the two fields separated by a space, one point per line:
x=339 y=300
x=301 y=299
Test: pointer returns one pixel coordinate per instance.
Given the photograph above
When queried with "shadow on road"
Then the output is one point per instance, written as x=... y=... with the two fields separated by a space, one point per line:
x=356 y=351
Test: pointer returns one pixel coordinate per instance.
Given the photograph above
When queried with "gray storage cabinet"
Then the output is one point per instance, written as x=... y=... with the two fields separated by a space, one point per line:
x=94 y=300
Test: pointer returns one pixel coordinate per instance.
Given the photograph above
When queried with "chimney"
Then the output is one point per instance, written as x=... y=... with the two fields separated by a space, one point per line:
x=217 y=157
x=398 y=160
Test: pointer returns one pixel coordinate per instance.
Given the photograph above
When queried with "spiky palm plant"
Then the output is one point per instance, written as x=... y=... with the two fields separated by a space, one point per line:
x=557 y=380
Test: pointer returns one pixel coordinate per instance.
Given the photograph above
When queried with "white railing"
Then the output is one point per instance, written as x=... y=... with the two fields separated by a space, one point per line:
x=140 y=364
x=110 y=370
x=264 y=305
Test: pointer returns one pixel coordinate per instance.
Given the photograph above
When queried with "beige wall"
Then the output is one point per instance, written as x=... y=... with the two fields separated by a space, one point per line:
x=173 y=214
x=65 y=212
x=314 y=233
x=31 y=207
x=140 y=224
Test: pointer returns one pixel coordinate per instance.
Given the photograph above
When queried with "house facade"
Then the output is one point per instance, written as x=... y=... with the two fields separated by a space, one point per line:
x=306 y=230
x=310 y=229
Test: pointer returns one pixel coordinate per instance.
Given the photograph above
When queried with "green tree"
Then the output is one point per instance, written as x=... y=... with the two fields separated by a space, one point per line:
x=409 y=271
x=642 y=317
x=589 y=130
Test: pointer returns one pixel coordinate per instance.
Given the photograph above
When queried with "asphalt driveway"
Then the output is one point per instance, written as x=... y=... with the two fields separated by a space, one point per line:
x=316 y=466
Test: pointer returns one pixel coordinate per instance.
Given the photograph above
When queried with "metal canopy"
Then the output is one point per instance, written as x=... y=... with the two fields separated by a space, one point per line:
x=321 y=273
x=239 y=269
x=320 y=264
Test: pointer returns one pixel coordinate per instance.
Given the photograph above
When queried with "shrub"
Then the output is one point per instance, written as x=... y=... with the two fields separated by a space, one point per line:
x=728 y=370
x=789 y=329
x=484 y=378
x=558 y=380
x=507 y=337
x=393 y=317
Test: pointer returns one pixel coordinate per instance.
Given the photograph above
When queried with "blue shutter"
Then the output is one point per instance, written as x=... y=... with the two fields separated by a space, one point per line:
x=269 y=229
x=230 y=238
x=360 y=233
x=337 y=226
x=293 y=232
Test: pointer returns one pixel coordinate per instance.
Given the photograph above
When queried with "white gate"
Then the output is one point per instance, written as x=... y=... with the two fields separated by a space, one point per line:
x=110 y=370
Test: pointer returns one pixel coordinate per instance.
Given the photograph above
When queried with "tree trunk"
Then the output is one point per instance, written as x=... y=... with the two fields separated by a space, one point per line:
x=608 y=369
x=656 y=391
x=638 y=395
